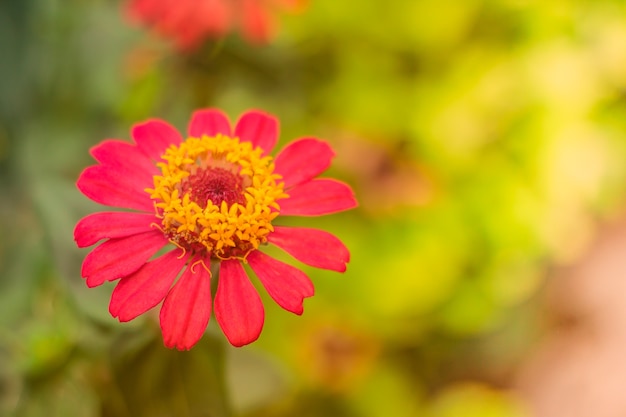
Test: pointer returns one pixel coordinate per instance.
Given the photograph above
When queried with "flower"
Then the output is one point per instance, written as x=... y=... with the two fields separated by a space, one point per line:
x=212 y=200
x=189 y=22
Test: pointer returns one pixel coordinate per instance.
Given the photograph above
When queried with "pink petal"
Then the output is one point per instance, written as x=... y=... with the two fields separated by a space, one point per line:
x=209 y=122
x=302 y=160
x=109 y=187
x=238 y=307
x=259 y=128
x=317 y=197
x=312 y=246
x=98 y=226
x=139 y=292
x=287 y=285
x=154 y=137
x=123 y=156
x=186 y=310
x=118 y=258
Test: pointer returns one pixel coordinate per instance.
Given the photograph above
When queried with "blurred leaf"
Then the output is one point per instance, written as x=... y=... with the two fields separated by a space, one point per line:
x=10 y=384
x=254 y=380
x=471 y=310
x=149 y=380
x=475 y=400
x=63 y=395
x=388 y=393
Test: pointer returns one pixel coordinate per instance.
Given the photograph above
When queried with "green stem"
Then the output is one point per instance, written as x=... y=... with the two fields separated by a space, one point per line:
x=215 y=274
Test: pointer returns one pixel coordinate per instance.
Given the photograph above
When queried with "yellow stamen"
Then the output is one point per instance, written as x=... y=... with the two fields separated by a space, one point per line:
x=217 y=195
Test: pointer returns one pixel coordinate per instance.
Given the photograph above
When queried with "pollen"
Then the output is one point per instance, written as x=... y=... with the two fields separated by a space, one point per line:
x=217 y=196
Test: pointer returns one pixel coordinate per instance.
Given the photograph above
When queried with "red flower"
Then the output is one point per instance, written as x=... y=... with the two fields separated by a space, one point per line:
x=189 y=22
x=211 y=198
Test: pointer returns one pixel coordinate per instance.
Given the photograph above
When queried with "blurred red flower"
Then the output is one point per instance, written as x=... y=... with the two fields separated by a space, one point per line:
x=190 y=22
x=212 y=198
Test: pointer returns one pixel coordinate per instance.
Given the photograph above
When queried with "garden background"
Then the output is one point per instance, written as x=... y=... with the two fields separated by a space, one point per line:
x=485 y=141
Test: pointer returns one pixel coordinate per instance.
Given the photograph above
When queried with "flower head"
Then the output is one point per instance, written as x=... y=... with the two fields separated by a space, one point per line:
x=189 y=22
x=210 y=199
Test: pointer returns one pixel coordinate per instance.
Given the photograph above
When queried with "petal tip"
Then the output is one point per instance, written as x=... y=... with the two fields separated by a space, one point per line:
x=91 y=283
x=259 y=128
x=210 y=122
x=243 y=342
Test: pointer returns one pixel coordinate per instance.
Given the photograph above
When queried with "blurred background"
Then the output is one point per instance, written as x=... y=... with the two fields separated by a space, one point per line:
x=486 y=143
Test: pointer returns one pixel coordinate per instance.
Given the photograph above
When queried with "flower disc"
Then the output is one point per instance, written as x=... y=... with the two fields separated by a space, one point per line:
x=217 y=196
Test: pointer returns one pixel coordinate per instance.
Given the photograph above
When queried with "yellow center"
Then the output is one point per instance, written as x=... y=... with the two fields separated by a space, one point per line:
x=217 y=196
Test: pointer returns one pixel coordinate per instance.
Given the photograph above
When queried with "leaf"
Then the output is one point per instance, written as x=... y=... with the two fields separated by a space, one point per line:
x=150 y=380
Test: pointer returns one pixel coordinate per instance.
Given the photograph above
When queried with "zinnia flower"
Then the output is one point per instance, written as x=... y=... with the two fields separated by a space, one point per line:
x=189 y=22
x=211 y=199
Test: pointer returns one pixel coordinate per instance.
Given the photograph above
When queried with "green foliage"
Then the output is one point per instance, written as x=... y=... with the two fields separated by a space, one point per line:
x=484 y=139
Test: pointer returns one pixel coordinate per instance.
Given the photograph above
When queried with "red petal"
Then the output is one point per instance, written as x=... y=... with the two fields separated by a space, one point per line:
x=139 y=292
x=258 y=25
x=118 y=258
x=209 y=122
x=187 y=308
x=98 y=226
x=213 y=17
x=123 y=156
x=154 y=137
x=312 y=246
x=287 y=285
x=109 y=187
x=317 y=197
x=259 y=128
x=238 y=307
x=302 y=160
